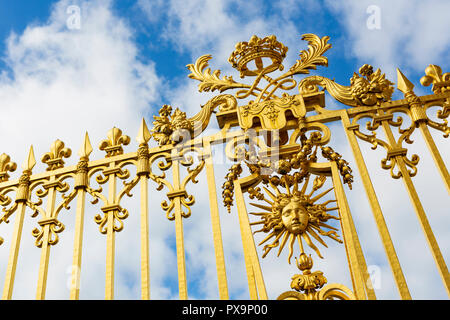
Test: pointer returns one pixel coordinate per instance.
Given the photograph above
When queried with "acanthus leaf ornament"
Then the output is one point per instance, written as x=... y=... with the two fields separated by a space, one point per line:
x=170 y=127
x=367 y=88
x=312 y=57
x=211 y=81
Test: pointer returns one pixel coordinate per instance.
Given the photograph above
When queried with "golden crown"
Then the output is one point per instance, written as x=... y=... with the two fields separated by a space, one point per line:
x=255 y=50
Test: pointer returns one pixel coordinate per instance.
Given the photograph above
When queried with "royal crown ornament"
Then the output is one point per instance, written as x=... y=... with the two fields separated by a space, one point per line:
x=255 y=50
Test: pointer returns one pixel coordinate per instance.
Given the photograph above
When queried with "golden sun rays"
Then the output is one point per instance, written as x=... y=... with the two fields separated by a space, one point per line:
x=294 y=216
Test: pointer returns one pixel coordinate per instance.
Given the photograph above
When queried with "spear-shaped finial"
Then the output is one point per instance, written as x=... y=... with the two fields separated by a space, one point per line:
x=403 y=84
x=417 y=111
x=144 y=134
x=30 y=162
x=86 y=148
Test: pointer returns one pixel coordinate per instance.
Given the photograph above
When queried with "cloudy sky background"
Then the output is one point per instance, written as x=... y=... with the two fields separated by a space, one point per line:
x=129 y=57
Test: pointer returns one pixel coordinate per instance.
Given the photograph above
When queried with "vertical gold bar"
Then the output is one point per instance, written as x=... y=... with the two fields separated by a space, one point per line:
x=110 y=248
x=45 y=250
x=370 y=292
x=143 y=170
x=215 y=221
x=14 y=252
x=181 y=262
x=431 y=240
x=240 y=204
x=77 y=245
x=350 y=237
x=110 y=239
x=436 y=155
x=377 y=212
x=43 y=265
x=251 y=247
x=145 y=276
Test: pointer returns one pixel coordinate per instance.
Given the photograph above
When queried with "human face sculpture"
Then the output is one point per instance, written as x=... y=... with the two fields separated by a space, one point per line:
x=294 y=217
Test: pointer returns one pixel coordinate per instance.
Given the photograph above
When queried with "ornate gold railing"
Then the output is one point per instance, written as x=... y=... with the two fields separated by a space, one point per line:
x=279 y=152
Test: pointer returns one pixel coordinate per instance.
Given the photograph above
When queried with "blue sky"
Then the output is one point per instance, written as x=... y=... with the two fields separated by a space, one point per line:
x=129 y=57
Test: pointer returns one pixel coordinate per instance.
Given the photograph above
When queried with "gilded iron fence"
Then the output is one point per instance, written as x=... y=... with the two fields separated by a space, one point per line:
x=279 y=151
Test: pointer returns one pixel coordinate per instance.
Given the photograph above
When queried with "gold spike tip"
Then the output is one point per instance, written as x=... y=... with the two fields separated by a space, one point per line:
x=30 y=162
x=403 y=84
x=144 y=134
x=86 y=148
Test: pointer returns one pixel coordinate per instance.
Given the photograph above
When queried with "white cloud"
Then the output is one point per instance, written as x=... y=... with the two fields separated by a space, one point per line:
x=410 y=34
x=61 y=83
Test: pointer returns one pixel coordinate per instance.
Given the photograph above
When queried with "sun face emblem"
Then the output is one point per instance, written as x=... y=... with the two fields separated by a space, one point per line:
x=295 y=216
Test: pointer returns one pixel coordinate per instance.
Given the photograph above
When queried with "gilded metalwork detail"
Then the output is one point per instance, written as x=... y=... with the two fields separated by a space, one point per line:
x=169 y=126
x=269 y=108
x=281 y=160
x=394 y=147
x=54 y=158
x=113 y=145
x=186 y=200
x=112 y=204
x=441 y=84
x=309 y=285
x=367 y=88
x=227 y=186
x=294 y=215
x=55 y=228
x=434 y=76
x=5 y=166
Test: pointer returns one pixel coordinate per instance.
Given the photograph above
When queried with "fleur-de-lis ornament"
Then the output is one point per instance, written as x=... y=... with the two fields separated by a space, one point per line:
x=113 y=145
x=54 y=158
x=5 y=166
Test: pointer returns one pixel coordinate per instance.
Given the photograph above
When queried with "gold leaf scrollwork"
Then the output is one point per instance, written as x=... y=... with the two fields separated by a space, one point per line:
x=443 y=114
x=6 y=200
x=186 y=202
x=367 y=88
x=312 y=57
x=163 y=165
x=390 y=162
x=185 y=199
x=211 y=81
x=55 y=227
x=118 y=213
